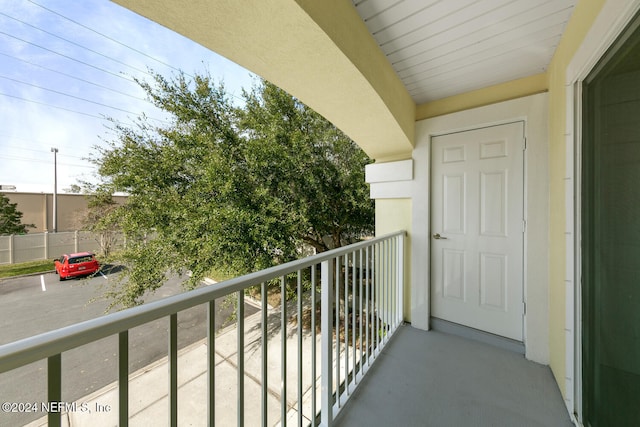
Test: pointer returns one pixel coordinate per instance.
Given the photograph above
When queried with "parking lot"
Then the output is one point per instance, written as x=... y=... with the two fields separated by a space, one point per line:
x=35 y=304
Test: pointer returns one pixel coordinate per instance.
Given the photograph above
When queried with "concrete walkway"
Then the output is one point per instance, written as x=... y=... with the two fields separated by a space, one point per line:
x=148 y=397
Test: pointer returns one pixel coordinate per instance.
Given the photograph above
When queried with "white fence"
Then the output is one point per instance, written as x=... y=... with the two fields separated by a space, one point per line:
x=30 y=247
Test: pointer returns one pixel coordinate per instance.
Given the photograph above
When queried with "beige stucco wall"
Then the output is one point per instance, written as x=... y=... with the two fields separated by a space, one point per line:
x=37 y=209
x=393 y=215
x=581 y=20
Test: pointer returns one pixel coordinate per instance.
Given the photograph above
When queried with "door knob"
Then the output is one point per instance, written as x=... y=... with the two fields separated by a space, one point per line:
x=437 y=236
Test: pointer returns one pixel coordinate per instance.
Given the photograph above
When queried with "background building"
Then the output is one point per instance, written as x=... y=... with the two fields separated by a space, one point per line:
x=37 y=209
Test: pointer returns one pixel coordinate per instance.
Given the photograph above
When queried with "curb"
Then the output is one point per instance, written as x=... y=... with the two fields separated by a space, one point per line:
x=26 y=275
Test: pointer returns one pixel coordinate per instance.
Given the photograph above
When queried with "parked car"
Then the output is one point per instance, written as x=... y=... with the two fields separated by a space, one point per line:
x=79 y=264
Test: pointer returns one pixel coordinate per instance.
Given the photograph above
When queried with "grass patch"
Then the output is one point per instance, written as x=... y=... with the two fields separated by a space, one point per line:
x=40 y=266
x=221 y=275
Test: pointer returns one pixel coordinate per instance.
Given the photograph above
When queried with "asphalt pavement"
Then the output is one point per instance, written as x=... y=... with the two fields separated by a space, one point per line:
x=35 y=304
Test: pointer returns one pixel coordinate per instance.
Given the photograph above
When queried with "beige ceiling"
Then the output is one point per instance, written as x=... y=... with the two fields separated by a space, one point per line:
x=441 y=48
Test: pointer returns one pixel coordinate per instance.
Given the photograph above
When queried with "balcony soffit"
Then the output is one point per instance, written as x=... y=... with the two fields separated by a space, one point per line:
x=442 y=48
x=365 y=65
x=320 y=52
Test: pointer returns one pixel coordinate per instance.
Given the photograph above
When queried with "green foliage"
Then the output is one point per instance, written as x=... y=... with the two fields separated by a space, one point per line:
x=73 y=189
x=235 y=189
x=11 y=218
x=101 y=218
x=305 y=162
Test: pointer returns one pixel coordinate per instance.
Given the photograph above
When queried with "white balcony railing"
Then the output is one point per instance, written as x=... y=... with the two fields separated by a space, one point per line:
x=361 y=298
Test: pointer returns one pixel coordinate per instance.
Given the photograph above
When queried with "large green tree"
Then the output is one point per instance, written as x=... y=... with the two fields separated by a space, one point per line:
x=226 y=187
x=11 y=218
x=101 y=219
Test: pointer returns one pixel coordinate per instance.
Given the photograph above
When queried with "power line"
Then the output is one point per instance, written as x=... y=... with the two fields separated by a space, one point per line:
x=122 y=44
x=121 y=76
x=30 y=140
x=52 y=106
x=74 y=77
x=106 y=36
x=35 y=150
x=69 y=109
x=27 y=159
x=76 y=44
x=73 y=96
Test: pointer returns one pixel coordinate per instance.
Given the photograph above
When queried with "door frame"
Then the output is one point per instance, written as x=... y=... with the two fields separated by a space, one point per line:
x=612 y=20
x=523 y=171
x=532 y=110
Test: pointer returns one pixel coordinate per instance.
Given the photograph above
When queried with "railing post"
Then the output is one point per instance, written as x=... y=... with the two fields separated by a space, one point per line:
x=300 y=361
x=54 y=389
x=211 y=362
x=123 y=378
x=46 y=245
x=326 y=328
x=400 y=270
x=240 y=362
x=173 y=370
x=75 y=241
x=11 y=249
x=265 y=342
x=283 y=351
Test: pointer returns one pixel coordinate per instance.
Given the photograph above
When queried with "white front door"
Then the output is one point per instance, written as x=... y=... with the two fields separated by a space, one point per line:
x=477 y=229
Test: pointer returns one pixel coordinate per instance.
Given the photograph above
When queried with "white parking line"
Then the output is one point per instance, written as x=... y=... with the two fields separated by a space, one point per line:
x=44 y=288
x=105 y=277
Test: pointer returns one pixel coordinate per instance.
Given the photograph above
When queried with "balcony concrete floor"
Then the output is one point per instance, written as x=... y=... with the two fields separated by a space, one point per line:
x=436 y=379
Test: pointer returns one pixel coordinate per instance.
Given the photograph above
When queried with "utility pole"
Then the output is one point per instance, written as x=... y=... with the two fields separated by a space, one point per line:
x=55 y=189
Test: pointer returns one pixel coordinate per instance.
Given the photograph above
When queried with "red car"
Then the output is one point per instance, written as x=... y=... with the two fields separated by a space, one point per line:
x=80 y=264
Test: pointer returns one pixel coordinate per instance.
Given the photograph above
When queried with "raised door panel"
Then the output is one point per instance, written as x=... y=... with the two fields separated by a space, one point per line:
x=453 y=214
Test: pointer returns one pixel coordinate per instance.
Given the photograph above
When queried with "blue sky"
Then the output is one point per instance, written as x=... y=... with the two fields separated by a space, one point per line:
x=64 y=65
